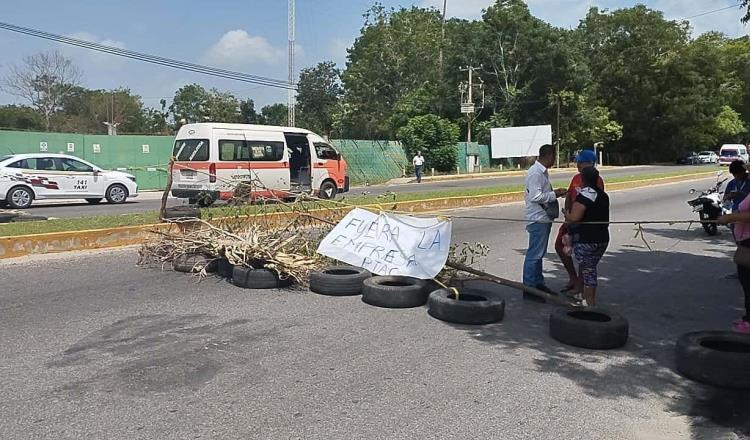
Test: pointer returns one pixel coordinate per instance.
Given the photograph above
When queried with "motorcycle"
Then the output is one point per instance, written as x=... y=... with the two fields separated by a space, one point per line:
x=710 y=206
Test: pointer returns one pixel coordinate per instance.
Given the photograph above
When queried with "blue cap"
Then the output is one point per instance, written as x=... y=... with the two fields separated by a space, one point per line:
x=586 y=156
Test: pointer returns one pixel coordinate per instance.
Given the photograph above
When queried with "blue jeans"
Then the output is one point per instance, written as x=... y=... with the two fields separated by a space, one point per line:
x=418 y=172
x=532 y=265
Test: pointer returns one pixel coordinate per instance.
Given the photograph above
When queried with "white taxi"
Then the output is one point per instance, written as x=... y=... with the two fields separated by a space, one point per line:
x=28 y=177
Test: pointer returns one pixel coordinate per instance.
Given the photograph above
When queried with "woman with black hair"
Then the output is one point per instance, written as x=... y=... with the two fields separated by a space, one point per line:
x=589 y=225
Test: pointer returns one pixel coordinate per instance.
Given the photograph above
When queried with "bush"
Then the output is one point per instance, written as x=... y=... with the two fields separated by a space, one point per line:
x=435 y=137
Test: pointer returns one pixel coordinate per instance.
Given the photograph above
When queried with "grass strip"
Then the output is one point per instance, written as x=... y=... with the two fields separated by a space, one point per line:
x=114 y=221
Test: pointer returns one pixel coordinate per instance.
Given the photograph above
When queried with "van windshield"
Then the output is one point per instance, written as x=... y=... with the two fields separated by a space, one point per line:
x=729 y=153
x=191 y=150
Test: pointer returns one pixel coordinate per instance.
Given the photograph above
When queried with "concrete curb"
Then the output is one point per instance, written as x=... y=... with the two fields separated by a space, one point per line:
x=488 y=175
x=24 y=245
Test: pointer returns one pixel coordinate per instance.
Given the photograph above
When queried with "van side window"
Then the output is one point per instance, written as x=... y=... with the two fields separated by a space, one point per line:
x=255 y=151
x=325 y=151
x=191 y=150
x=233 y=151
x=266 y=151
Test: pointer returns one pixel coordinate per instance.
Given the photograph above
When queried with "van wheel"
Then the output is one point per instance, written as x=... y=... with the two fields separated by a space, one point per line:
x=328 y=190
x=116 y=194
x=19 y=197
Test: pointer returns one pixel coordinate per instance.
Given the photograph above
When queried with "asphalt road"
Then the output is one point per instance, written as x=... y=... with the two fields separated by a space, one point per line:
x=149 y=202
x=94 y=347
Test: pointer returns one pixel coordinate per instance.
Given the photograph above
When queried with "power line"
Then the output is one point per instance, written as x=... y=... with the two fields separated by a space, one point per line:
x=167 y=62
x=710 y=12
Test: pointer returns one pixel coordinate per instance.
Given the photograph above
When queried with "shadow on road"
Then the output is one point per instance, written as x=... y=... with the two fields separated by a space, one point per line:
x=663 y=295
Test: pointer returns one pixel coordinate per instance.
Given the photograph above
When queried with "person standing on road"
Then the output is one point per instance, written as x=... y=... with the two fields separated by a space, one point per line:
x=418 y=162
x=584 y=159
x=591 y=236
x=541 y=209
x=741 y=223
x=738 y=188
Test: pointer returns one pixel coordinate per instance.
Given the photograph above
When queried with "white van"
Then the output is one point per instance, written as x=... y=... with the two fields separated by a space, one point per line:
x=211 y=159
x=732 y=152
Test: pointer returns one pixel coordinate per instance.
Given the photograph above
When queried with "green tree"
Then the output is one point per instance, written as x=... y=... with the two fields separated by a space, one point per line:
x=275 y=114
x=319 y=93
x=222 y=107
x=583 y=123
x=482 y=130
x=395 y=54
x=627 y=50
x=435 y=137
x=728 y=125
x=736 y=61
x=20 y=117
x=89 y=111
x=248 y=115
x=525 y=58
x=189 y=105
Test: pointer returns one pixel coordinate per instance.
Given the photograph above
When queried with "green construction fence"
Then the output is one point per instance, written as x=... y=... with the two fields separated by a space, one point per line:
x=146 y=157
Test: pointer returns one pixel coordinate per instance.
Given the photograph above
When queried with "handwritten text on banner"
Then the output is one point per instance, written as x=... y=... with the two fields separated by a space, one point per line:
x=390 y=244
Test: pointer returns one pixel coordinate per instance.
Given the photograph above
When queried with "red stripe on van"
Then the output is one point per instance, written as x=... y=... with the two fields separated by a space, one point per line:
x=231 y=165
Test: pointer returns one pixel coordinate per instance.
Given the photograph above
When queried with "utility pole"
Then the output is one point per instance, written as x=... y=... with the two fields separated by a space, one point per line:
x=111 y=125
x=291 y=32
x=468 y=106
x=442 y=39
x=557 y=144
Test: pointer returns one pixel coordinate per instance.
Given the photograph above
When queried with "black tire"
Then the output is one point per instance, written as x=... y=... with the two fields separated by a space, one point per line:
x=116 y=194
x=193 y=263
x=472 y=307
x=339 y=281
x=204 y=200
x=94 y=201
x=716 y=358
x=328 y=190
x=19 y=197
x=7 y=217
x=249 y=278
x=710 y=228
x=29 y=218
x=591 y=327
x=394 y=292
x=224 y=269
x=182 y=212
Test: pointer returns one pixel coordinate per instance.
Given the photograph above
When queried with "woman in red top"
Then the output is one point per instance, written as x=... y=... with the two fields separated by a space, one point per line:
x=584 y=159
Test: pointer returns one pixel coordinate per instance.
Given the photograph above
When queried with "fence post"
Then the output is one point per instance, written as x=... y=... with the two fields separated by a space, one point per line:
x=433 y=172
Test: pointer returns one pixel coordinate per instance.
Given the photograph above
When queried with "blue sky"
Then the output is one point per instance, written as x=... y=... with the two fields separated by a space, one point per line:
x=251 y=35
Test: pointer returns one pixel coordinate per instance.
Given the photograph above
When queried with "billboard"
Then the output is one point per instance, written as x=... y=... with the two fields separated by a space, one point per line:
x=519 y=141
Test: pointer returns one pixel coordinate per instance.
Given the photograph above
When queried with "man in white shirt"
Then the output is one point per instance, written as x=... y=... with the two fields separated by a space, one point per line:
x=418 y=163
x=541 y=208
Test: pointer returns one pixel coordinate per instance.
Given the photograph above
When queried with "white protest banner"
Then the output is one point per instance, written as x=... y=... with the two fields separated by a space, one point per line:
x=390 y=244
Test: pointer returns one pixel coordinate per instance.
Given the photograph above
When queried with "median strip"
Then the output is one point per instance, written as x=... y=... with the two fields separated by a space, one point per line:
x=13 y=246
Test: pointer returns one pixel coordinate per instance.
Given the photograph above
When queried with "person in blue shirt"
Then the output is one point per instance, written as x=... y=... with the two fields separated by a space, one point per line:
x=738 y=188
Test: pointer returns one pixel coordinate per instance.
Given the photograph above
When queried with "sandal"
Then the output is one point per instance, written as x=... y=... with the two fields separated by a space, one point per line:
x=568 y=288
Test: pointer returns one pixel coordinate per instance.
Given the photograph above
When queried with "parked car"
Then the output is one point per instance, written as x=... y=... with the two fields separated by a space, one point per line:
x=732 y=152
x=28 y=177
x=708 y=157
x=691 y=158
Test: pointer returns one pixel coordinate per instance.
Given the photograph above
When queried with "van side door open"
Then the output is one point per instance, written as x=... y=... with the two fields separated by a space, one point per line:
x=300 y=166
